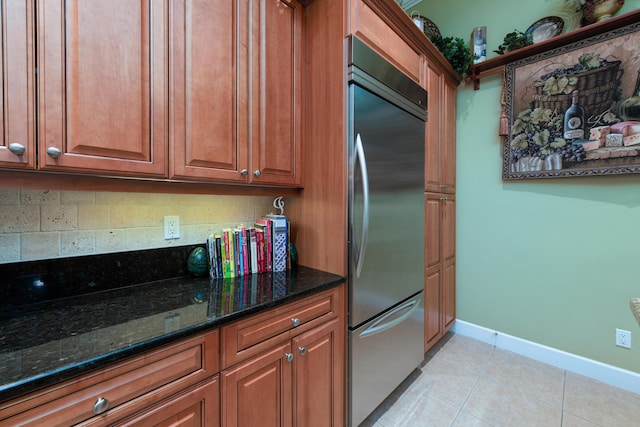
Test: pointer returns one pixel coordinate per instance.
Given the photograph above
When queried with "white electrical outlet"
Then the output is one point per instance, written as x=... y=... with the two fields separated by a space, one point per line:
x=171 y=227
x=623 y=338
x=171 y=323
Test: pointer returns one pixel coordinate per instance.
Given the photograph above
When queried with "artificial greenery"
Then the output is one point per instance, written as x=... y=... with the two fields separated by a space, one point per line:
x=514 y=40
x=456 y=51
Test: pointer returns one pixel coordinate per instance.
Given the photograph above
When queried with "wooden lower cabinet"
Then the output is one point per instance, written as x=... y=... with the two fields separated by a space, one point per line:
x=257 y=392
x=318 y=376
x=287 y=370
x=440 y=264
x=432 y=314
x=126 y=388
x=297 y=382
x=197 y=406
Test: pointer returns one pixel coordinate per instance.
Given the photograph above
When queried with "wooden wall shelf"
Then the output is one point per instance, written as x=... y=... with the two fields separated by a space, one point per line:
x=496 y=65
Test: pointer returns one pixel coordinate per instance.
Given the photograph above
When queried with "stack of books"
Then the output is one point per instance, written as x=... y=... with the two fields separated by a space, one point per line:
x=243 y=250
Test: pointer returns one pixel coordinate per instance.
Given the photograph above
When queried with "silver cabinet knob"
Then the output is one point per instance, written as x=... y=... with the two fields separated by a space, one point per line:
x=244 y=172
x=302 y=350
x=100 y=406
x=295 y=321
x=17 y=149
x=289 y=357
x=54 y=152
x=257 y=173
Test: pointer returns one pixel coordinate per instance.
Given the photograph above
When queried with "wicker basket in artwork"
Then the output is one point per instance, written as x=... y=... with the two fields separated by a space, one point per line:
x=596 y=88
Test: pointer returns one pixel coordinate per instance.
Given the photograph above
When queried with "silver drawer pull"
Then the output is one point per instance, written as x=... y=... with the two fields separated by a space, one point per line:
x=295 y=321
x=100 y=406
x=289 y=356
x=302 y=350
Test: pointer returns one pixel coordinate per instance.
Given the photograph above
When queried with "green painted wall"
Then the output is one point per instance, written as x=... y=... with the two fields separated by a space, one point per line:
x=551 y=261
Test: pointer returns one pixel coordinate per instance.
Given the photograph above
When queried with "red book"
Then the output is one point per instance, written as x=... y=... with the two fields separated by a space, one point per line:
x=260 y=250
x=268 y=242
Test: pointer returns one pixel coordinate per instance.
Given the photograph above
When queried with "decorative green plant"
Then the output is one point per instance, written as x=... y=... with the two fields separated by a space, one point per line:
x=514 y=40
x=456 y=51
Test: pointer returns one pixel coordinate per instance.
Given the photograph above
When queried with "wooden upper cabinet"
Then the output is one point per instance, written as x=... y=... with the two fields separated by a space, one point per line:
x=208 y=78
x=440 y=164
x=102 y=86
x=370 y=22
x=449 y=126
x=434 y=138
x=235 y=90
x=17 y=128
x=276 y=88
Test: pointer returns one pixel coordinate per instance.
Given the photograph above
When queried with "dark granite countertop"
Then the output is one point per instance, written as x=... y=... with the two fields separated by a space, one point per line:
x=53 y=339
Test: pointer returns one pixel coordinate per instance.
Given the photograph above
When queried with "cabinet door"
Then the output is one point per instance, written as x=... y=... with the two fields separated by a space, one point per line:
x=102 y=86
x=432 y=228
x=432 y=304
x=318 y=376
x=449 y=138
x=448 y=294
x=275 y=104
x=370 y=23
x=258 y=391
x=434 y=144
x=17 y=143
x=197 y=406
x=440 y=162
x=448 y=231
x=208 y=89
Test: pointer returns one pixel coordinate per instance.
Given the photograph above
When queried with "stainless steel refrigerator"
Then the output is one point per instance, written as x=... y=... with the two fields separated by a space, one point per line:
x=386 y=122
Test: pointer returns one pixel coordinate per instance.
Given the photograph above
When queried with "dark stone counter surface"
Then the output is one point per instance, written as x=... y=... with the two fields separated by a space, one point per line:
x=64 y=317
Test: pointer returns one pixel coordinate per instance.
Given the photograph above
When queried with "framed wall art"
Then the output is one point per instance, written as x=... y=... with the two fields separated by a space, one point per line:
x=575 y=110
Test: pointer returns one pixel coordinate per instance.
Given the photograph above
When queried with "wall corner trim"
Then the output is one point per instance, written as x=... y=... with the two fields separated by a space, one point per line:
x=607 y=374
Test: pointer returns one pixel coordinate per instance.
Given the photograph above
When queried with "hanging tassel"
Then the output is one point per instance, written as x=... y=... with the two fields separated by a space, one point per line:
x=503 y=129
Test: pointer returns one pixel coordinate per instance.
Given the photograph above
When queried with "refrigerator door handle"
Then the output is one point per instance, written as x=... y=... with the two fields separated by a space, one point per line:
x=382 y=324
x=365 y=198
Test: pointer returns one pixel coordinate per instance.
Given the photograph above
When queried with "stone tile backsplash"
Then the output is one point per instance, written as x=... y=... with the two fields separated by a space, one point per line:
x=43 y=224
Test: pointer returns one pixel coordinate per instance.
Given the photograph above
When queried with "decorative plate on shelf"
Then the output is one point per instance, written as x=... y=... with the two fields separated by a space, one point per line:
x=545 y=28
x=426 y=25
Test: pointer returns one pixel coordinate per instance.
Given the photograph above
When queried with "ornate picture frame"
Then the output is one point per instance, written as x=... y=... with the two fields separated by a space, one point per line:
x=549 y=138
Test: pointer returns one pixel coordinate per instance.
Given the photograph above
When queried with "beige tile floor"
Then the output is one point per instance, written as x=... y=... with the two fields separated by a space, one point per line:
x=465 y=382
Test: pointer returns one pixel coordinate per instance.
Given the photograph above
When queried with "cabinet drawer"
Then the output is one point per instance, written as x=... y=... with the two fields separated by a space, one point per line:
x=128 y=386
x=197 y=406
x=248 y=337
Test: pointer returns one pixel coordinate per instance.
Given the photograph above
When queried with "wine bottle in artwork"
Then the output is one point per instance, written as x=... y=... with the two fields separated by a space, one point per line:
x=574 y=119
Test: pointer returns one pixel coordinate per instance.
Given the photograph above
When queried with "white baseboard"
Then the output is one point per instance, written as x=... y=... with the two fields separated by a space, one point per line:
x=608 y=374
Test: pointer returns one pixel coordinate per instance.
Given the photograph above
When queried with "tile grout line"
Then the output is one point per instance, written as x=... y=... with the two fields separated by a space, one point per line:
x=486 y=363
